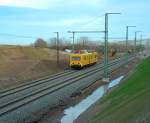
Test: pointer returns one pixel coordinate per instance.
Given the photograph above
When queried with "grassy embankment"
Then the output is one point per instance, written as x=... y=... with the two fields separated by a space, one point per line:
x=21 y=63
x=129 y=102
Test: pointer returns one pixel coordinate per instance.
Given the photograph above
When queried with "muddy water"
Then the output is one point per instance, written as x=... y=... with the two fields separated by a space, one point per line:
x=72 y=113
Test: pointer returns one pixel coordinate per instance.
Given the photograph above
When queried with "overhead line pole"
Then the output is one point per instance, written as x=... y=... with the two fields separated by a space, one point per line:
x=57 y=46
x=127 y=39
x=73 y=37
x=106 y=47
x=135 y=41
x=141 y=43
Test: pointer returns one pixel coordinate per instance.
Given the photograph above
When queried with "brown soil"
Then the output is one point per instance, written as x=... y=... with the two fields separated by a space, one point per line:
x=21 y=64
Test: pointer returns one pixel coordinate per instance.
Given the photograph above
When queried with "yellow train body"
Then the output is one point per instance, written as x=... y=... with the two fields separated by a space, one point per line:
x=82 y=59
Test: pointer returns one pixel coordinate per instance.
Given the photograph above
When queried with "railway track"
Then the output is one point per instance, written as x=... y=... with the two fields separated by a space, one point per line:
x=40 y=89
x=21 y=91
x=37 y=82
x=33 y=82
x=15 y=98
x=41 y=81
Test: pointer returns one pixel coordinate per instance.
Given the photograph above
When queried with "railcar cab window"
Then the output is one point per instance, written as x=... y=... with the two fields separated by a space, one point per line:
x=76 y=58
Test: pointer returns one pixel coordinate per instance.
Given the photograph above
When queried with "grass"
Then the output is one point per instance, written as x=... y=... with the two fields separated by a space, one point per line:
x=22 y=63
x=9 y=53
x=129 y=102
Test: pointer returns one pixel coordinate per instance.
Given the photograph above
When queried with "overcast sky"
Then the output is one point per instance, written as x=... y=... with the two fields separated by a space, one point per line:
x=40 y=18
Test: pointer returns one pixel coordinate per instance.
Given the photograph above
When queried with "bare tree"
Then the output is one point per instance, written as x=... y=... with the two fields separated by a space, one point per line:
x=40 y=43
x=63 y=43
x=52 y=43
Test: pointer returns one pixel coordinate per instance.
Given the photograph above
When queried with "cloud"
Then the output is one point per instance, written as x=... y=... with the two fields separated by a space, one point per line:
x=50 y=4
x=24 y=3
x=92 y=3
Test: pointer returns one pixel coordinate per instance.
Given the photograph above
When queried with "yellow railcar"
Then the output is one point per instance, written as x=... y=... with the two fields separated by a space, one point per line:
x=80 y=60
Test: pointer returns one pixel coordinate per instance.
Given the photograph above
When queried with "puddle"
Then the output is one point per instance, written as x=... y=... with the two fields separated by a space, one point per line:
x=73 y=113
x=115 y=82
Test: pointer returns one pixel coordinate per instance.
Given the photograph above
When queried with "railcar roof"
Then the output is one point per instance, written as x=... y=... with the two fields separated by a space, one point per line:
x=77 y=54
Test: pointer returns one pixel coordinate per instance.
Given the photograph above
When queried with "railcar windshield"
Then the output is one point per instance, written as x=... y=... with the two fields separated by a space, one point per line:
x=76 y=58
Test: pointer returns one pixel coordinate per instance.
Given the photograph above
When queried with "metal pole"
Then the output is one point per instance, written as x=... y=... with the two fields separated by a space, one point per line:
x=127 y=39
x=83 y=44
x=135 y=42
x=141 y=43
x=57 y=46
x=73 y=33
x=127 y=29
x=106 y=47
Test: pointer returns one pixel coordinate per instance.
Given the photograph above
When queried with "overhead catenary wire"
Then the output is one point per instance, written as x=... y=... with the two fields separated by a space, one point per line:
x=92 y=20
x=17 y=36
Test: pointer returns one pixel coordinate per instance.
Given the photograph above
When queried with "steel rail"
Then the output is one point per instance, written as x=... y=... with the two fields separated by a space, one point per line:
x=41 y=81
x=48 y=87
x=60 y=74
x=11 y=95
x=6 y=97
x=38 y=82
x=53 y=88
x=34 y=81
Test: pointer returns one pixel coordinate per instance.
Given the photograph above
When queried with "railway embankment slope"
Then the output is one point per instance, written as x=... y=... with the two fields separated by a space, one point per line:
x=129 y=102
x=20 y=64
